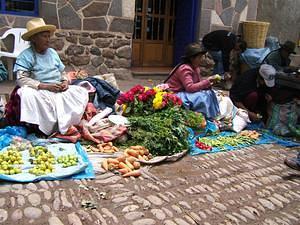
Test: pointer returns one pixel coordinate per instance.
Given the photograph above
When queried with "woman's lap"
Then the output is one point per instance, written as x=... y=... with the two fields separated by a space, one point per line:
x=204 y=101
x=52 y=111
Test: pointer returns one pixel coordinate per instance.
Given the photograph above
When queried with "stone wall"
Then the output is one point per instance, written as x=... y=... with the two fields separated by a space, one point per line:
x=95 y=35
x=225 y=14
x=284 y=18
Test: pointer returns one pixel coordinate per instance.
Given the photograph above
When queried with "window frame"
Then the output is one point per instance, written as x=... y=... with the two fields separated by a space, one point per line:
x=35 y=11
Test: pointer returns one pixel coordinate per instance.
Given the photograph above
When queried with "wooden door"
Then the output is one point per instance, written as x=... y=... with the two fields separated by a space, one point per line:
x=153 y=33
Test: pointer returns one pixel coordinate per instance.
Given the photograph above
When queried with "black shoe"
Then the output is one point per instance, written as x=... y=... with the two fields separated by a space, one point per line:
x=292 y=163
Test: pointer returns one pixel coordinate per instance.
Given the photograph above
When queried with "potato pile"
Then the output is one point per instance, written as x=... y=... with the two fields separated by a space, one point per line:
x=102 y=148
x=250 y=133
x=127 y=164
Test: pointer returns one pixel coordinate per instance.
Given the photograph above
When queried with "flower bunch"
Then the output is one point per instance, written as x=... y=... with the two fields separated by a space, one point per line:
x=141 y=100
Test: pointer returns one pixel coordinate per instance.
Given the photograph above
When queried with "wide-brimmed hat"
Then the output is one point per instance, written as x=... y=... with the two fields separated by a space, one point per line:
x=193 y=49
x=35 y=26
x=289 y=46
x=268 y=73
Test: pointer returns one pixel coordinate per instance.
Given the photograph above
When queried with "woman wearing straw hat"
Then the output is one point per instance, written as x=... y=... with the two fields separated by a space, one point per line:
x=194 y=90
x=46 y=99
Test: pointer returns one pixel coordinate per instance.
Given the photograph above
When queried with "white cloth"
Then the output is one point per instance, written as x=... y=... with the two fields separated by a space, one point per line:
x=53 y=111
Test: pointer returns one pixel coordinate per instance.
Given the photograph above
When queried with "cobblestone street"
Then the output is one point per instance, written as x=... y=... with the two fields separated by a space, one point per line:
x=250 y=186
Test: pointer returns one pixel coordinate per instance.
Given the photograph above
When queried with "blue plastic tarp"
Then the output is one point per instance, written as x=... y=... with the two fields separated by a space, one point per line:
x=83 y=169
x=266 y=138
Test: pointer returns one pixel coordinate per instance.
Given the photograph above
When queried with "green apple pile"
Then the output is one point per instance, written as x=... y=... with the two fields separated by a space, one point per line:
x=43 y=160
x=7 y=161
x=68 y=160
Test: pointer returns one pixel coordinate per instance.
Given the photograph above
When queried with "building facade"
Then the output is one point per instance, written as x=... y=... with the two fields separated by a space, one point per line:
x=103 y=36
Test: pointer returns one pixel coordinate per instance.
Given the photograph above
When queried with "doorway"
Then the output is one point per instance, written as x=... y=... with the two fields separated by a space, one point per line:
x=154 y=30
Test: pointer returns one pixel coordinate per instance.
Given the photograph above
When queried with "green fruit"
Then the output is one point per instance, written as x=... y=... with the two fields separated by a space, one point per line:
x=218 y=77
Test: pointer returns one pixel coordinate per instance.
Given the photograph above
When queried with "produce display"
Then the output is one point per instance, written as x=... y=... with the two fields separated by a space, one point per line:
x=203 y=146
x=250 y=133
x=222 y=142
x=128 y=164
x=43 y=160
x=163 y=133
x=22 y=157
x=102 y=148
x=68 y=160
x=7 y=161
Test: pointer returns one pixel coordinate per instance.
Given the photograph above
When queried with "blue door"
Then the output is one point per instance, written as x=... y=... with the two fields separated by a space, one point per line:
x=187 y=13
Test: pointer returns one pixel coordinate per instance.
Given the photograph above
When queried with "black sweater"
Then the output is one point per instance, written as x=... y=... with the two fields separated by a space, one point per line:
x=220 y=40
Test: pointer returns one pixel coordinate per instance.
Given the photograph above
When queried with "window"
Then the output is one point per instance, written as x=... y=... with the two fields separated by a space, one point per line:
x=19 y=7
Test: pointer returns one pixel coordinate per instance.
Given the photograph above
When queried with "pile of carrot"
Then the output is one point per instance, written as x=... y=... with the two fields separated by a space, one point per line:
x=128 y=164
x=102 y=148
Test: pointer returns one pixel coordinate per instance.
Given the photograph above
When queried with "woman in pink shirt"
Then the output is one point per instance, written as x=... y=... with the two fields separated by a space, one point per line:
x=195 y=91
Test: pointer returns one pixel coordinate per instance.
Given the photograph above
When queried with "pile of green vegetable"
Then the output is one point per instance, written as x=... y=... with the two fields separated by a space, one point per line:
x=222 y=142
x=163 y=132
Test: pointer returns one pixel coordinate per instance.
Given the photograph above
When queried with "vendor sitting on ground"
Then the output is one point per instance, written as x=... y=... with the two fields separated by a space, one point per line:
x=194 y=90
x=46 y=99
x=280 y=58
x=250 y=91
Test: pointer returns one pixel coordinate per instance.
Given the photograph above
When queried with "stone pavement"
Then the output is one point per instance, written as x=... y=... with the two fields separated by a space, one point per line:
x=248 y=186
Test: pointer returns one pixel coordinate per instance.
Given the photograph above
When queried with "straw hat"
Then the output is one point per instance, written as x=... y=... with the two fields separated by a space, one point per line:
x=35 y=26
x=193 y=49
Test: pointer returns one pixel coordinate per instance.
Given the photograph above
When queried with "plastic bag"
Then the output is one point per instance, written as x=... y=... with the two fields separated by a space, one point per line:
x=240 y=121
x=7 y=134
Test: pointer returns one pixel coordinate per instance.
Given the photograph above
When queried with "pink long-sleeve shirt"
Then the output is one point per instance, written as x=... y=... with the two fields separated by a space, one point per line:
x=187 y=79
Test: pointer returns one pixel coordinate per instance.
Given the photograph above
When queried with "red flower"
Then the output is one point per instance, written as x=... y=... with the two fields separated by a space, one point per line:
x=137 y=89
x=143 y=97
x=150 y=92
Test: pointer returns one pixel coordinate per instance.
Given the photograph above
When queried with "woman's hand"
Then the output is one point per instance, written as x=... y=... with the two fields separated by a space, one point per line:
x=254 y=117
x=213 y=79
x=64 y=85
x=50 y=87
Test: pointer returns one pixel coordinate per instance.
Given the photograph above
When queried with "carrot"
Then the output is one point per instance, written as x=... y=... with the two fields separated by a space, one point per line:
x=134 y=173
x=126 y=152
x=123 y=165
x=112 y=166
x=129 y=164
x=114 y=161
x=131 y=159
x=146 y=151
x=115 y=148
x=145 y=157
x=123 y=171
x=121 y=158
x=137 y=147
x=132 y=152
x=105 y=164
x=136 y=165
x=141 y=152
x=141 y=157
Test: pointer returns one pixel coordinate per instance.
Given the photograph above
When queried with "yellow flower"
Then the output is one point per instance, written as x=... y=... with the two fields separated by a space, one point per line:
x=124 y=107
x=157 y=101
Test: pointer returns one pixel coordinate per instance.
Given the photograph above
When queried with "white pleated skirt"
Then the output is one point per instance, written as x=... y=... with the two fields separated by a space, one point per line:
x=51 y=111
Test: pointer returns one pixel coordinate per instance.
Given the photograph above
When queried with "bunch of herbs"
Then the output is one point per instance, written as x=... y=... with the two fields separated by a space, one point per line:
x=163 y=133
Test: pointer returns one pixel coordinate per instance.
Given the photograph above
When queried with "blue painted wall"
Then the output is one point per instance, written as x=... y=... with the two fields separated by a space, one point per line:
x=187 y=13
